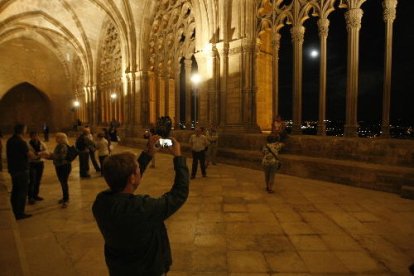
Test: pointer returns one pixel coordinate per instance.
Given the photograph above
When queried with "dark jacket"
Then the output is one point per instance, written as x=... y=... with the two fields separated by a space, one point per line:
x=83 y=143
x=17 y=158
x=136 y=240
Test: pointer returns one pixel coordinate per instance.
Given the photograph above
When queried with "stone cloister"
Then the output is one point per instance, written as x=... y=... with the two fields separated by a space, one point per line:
x=136 y=60
x=133 y=60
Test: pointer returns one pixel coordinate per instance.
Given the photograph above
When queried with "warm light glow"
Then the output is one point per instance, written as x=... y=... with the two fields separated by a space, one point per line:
x=195 y=79
x=113 y=96
x=76 y=103
x=314 y=53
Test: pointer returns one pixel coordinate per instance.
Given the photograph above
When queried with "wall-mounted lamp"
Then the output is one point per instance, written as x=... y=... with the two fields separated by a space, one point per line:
x=113 y=96
x=76 y=103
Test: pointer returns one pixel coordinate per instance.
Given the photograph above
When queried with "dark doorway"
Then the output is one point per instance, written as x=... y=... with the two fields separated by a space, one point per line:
x=26 y=104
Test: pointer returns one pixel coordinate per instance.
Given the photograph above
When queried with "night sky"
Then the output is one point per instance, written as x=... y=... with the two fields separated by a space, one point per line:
x=371 y=67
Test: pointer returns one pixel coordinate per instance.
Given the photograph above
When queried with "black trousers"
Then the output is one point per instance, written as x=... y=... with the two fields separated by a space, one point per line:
x=63 y=173
x=198 y=156
x=36 y=172
x=101 y=161
x=93 y=159
x=83 y=163
x=20 y=182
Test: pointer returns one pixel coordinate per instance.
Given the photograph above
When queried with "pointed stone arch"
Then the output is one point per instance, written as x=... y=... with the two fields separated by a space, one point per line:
x=34 y=107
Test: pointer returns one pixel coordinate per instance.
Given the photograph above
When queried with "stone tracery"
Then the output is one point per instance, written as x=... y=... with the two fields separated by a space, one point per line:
x=172 y=38
x=110 y=74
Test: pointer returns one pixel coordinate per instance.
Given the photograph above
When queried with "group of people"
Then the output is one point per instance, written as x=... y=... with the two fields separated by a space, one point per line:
x=26 y=168
x=88 y=147
x=25 y=160
x=136 y=239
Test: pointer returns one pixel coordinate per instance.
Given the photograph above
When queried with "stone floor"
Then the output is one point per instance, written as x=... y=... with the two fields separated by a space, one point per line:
x=231 y=226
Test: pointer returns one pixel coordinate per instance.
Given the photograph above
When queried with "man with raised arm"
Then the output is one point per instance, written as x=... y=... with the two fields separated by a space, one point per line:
x=136 y=239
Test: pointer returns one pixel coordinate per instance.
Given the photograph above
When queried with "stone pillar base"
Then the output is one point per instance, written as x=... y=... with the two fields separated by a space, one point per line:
x=351 y=130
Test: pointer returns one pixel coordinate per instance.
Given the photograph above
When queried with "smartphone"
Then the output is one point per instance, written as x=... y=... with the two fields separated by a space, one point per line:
x=165 y=142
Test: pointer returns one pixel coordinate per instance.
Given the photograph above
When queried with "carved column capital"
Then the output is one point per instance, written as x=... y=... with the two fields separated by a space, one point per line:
x=276 y=40
x=298 y=33
x=188 y=63
x=353 y=19
x=390 y=10
x=323 y=25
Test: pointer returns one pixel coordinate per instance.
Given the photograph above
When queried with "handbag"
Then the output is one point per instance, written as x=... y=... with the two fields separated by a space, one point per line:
x=279 y=164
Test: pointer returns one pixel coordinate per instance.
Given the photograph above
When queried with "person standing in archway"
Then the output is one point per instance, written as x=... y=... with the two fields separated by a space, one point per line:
x=46 y=132
x=198 y=143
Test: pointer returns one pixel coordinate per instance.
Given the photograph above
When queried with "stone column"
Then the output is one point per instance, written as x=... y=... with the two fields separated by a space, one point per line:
x=389 y=17
x=353 y=23
x=141 y=100
x=203 y=59
x=107 y=97
x=223 y=84
x=157 y=93
x=323 y=24
x=249 y=120
x=177 y=97
x=129 y=103
x=297 y=33
x=167 y=95
x=187 y=66
x=275 y=71
x=214 y=88
x=88 y=102
x=120 y=100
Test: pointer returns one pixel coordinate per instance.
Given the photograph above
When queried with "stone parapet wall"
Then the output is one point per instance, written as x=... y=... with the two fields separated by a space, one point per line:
x=378 y=164
x=393 y=152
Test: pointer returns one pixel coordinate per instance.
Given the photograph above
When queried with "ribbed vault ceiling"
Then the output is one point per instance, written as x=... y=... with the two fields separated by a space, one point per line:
x=69 y=28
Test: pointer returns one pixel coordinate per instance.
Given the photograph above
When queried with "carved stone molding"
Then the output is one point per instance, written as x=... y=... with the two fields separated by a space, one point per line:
x=390 y=7
x=323 y=26
x=353 y=19
x=110 y=64
x=172 y=35
x=298 y=33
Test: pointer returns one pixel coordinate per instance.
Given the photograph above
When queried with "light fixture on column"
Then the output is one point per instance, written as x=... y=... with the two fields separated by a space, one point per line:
x=113 y=96
x=76 y=103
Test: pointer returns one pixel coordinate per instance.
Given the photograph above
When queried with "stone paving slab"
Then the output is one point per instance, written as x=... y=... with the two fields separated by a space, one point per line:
x=231 y=226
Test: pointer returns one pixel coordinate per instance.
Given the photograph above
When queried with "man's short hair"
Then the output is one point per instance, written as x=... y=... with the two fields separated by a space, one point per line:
x=118 y=168
x=19 y=129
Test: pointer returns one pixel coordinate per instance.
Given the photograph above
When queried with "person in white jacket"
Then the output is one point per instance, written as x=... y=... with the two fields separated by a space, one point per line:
x=102 y=147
